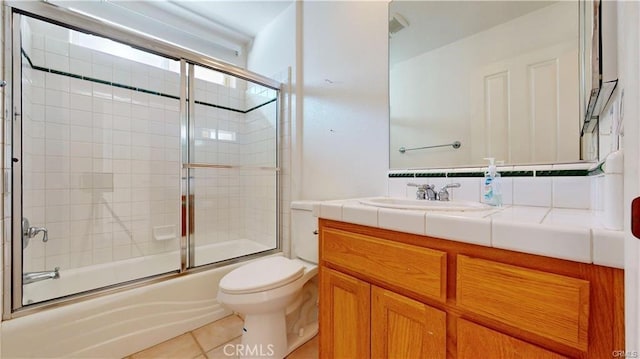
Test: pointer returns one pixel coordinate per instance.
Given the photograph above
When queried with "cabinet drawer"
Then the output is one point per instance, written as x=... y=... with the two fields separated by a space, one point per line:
x=416 y=269
x=549 y=305
x=475 y=341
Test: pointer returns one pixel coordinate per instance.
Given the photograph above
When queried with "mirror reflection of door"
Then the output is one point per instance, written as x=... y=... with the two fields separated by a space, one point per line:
x=521 y=103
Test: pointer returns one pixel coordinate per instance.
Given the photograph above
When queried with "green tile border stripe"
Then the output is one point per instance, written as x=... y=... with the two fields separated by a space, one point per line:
x=465 y=174
x=522 y=173
x=133 y=88
x=261 y=105
x=562 y=173
x=428 y=174
x=516 y=174
x=596 y=171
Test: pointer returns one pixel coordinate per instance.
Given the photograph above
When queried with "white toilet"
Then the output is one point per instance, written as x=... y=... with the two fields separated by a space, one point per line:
x=276 y=294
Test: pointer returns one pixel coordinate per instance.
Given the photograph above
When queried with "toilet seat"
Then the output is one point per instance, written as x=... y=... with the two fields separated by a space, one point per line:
x=261 y=275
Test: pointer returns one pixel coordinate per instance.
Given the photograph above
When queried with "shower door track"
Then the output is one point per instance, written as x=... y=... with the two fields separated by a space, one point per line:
x=12 y=297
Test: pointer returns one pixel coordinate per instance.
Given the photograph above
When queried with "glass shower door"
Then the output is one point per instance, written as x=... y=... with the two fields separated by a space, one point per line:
x=233 y=167
x=99 y=165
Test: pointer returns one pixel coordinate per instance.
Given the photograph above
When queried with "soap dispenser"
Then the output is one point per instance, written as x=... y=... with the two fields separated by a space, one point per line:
x=491 y=184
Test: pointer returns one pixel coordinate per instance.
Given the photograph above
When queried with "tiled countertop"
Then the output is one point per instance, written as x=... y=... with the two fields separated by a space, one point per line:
x=572 y=234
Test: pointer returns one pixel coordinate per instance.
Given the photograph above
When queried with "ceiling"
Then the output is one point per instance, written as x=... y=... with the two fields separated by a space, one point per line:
x=214 y=27
x=433 y=24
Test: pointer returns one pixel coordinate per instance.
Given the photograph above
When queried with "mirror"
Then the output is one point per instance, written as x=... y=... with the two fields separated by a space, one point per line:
x=476 y=79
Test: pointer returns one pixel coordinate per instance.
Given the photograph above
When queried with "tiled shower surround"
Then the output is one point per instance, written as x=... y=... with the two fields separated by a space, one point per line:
x=101 y=163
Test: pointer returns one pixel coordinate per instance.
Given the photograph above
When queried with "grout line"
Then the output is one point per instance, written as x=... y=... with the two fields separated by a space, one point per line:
x=198 y=344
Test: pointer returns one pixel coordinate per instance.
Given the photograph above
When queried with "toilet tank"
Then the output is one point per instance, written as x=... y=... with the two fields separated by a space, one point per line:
x=304 y=226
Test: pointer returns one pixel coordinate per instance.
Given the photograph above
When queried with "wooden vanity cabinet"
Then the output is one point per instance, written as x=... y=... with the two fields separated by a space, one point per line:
x=386 y=294
x=361 y=320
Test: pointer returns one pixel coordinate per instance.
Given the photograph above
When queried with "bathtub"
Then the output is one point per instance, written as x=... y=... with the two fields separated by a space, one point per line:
x=122 y=323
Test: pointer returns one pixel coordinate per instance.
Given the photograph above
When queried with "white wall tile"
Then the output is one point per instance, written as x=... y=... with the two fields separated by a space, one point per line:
x=57 y=82
x=56 y=98
x=38 y=57
x=80 y=53
x=597 y=192
x=80 y=118
x=469 y=189
x=102 y=72
x=397 y=187
x=80 y=67
x=80 y=87
x=56 y=62
x=532 y=191
x=572 y=192
x=55 y=131
x=37 y=41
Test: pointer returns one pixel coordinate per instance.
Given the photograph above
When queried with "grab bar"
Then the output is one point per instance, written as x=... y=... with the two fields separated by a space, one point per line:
x=455 y=145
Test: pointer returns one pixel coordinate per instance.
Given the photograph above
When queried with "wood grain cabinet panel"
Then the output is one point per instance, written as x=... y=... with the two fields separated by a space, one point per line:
x=345 y=317
x=475 y=341
x=416 y=269
x=550 y=305
x=405 y=328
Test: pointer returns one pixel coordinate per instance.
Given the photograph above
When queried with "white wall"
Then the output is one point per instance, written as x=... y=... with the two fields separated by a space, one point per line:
x=345 y=108
x=273 y=54
x=273 y=49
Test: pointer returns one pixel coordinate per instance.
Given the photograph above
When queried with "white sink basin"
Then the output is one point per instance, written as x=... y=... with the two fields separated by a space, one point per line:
x=424 y=205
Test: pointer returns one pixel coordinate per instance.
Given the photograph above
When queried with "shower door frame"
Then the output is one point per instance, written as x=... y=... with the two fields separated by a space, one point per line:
x=12 y=275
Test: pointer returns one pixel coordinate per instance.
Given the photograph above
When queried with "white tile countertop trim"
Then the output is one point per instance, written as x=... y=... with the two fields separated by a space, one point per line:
x=571 y=234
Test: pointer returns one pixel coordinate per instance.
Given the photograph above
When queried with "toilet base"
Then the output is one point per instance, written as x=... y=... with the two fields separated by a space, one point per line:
x=264 y=336
x=296 y=340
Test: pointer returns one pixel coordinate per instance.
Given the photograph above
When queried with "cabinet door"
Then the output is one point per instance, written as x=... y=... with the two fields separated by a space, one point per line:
x=345 y=307
x=404 y=328
x=475 y=341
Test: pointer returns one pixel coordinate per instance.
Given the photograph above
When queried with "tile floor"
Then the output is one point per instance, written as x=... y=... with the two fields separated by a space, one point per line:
x=208 y=342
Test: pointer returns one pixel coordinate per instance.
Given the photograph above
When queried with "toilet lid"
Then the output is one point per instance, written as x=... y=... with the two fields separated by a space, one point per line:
x=261 y=275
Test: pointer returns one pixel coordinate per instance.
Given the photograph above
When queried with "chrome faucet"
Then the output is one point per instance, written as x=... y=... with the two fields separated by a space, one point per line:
x=29 y=232
x=428 y=192
x=443 y=194
x=32 y=277
x=425 y=191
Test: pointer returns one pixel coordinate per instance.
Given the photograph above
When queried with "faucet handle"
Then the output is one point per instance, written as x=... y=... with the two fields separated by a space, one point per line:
x=29 y=232
x=421 y=192
x=451 y=185
x=443 y=194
